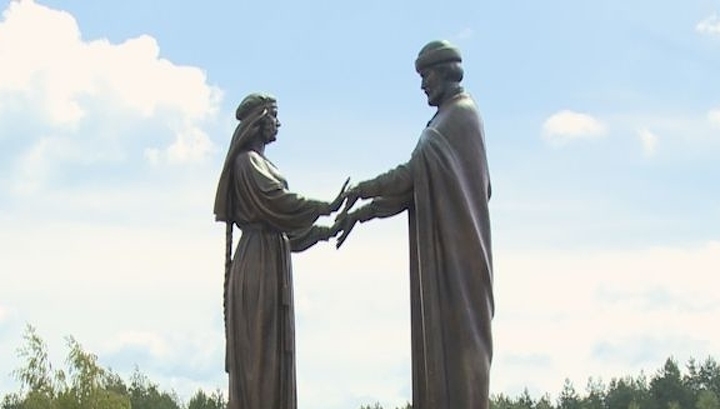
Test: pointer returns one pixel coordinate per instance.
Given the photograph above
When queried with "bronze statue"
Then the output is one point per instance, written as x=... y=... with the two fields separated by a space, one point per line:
x=445 y=188
x=253 y=195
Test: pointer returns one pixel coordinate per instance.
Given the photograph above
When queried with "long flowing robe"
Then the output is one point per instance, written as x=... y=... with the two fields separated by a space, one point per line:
x=260 y=329
x=445 y=187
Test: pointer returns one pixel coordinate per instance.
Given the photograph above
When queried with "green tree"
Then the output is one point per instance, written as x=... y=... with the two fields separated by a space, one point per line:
x=595 y=398
x=626 y=392
x=569 y=398
x=501 y=401
x=36 y=377
x=88 y=386
x=42 y=387
x=146 y=395
x=525 y=401
x=707 y=399
x=667 y=387
x=544 y=403
x=200 y=400
x=376 y=405
x=709 y=374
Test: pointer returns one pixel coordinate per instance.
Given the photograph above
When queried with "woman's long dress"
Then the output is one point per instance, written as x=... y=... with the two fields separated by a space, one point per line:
x=260 y=329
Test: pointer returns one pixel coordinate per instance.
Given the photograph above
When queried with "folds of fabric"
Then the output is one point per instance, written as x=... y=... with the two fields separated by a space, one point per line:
x=450 y=257
x=260 y=355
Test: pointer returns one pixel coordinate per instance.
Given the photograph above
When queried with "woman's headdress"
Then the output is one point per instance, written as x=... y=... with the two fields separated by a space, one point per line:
x=252 y=109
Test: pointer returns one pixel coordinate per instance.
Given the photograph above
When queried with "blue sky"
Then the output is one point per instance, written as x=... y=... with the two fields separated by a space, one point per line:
x=603 y=131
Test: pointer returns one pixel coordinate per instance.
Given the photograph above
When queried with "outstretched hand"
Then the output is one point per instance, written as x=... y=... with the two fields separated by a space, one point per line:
x=325 y=233
x=344 y=222
x=335 y=204
x=351 y=196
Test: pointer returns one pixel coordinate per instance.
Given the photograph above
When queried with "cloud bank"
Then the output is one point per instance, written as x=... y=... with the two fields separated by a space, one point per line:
x=66 y=99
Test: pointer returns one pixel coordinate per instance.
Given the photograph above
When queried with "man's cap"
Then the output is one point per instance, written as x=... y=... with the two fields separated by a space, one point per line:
x=437 y=52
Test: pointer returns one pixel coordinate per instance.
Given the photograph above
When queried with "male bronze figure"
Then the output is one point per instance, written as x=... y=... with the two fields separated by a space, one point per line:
x=445 y=188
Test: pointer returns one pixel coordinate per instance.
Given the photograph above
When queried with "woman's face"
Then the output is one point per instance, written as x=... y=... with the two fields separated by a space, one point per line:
x=270 y=125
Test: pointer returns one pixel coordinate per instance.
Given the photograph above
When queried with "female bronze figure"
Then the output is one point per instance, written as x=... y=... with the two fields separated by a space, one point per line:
x=253 y=195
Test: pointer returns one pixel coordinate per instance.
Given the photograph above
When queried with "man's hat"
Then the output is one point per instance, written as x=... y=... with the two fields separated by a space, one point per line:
x=437 y=52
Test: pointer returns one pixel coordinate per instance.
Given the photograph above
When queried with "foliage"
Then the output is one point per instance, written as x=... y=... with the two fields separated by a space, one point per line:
x=377 y=405
x=146 y=395
x=86 y=385
x=202 y=401
x=668 y=388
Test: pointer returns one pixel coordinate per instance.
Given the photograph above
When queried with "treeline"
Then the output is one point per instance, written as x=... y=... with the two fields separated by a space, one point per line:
x=86 y=385
x=698 y=387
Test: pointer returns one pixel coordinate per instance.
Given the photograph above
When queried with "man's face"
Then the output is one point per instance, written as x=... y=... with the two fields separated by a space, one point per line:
x=433 y=85
x=270 y=124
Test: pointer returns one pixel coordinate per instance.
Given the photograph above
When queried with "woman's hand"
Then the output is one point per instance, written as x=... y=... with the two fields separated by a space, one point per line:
x=335 y=204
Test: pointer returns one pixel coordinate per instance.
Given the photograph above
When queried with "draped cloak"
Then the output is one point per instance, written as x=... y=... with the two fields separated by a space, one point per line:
x=445 y=187
x=260 y=323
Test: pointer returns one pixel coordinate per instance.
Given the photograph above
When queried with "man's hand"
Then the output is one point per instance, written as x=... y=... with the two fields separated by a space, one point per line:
x=351 y=196
x=345 y=223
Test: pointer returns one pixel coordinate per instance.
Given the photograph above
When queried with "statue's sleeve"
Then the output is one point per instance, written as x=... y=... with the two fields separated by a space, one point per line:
x=306 y=238
x=394 y=182
x=385 y=206
x=265 y=198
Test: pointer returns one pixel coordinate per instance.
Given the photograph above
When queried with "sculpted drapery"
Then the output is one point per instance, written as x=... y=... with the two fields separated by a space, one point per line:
x=260 y=312
x=445 y=187
x=258 y=298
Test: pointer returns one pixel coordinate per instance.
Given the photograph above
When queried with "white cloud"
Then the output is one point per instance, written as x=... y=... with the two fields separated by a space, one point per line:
x=151 y=341
x=90 y=90
x=649 y=141
x=710 y=25
x=602 y=313
x=714 y=117
x=465 y=33
x=35 y=166
x=566 y=125
x=192 y=145
x=32 y=166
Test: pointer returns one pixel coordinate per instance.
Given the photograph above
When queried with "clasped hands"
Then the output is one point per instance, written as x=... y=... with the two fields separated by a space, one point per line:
x=345 y=220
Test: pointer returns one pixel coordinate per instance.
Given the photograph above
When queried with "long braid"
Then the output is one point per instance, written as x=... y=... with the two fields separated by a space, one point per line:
x=228 y=250
x=228 y=266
